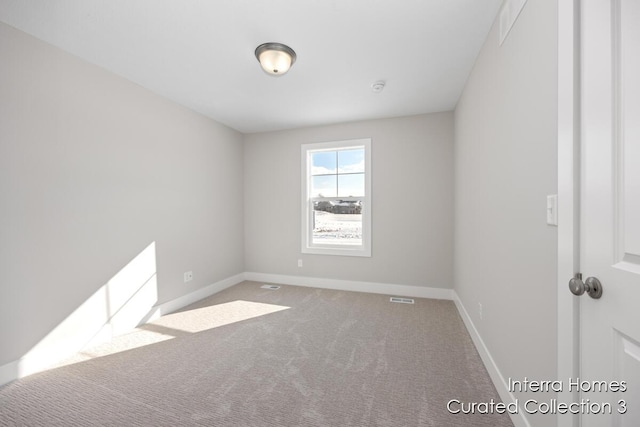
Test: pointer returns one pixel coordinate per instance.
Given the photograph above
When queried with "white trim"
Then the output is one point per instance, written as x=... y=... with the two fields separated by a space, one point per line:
x=190 y=298
x=307 y=246
x=9 y=372
x=353 y=285
x=40 y=361
x=519 y=419
x=568 y=347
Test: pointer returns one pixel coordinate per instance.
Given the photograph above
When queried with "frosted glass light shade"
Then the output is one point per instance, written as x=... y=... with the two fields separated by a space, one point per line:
x=275 y=58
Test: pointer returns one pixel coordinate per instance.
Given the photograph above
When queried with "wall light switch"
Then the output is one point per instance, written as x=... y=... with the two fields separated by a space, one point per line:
x=552 y=209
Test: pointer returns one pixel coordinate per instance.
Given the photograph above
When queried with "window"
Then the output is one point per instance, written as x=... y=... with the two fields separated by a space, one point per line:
x=336 y=198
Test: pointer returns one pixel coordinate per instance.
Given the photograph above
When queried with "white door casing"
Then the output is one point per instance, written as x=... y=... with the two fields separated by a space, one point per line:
x=610 y=210
x=568 y=200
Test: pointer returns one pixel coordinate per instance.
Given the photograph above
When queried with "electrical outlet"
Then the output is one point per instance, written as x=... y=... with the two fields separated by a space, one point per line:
x=480 y=310
x=188 y=276
x=299 y=263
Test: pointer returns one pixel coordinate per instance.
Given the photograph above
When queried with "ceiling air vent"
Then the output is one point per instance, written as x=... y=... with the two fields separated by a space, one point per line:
x=401 y=300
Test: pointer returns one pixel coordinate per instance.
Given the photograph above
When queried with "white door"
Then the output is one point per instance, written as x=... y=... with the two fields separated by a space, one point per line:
x=610 y=210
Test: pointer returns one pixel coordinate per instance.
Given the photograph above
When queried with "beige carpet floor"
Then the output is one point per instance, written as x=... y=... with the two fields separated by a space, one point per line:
x=254 y=357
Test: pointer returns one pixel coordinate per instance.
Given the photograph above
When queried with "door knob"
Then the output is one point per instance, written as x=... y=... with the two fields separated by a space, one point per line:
x=591 y=286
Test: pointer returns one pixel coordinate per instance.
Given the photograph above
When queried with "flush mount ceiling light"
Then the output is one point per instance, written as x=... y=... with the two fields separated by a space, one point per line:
x=275 y=58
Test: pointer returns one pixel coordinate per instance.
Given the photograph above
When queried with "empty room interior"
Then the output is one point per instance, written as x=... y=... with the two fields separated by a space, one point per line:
x=318 y=213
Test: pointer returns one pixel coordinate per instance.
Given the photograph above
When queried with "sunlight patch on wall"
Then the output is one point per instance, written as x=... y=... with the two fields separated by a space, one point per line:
x=118 y=306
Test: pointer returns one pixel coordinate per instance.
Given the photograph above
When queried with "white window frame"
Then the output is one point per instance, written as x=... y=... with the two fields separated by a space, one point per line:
x=308 y=247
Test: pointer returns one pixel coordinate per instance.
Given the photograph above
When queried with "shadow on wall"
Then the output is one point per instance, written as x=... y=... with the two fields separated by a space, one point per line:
x=124 y=302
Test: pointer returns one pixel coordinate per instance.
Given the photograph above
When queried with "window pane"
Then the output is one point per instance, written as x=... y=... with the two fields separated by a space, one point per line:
x=350 y=161
x=323 y=162
x=337 y=223
x=323 y=186
x=351 y=185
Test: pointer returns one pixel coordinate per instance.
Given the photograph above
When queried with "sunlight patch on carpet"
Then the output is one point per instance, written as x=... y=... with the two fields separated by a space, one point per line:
x=177 y=324
x=204 y=318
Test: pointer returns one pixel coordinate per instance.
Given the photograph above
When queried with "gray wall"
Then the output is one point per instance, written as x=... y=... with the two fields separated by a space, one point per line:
x=412 y=202
x=92 y=170
x=505 y=163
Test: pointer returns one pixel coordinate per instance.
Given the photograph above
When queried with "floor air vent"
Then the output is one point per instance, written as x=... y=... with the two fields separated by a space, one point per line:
x=402 y=300
x=271 y=287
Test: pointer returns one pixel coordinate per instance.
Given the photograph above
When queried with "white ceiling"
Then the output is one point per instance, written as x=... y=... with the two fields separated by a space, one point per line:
x=200 y=53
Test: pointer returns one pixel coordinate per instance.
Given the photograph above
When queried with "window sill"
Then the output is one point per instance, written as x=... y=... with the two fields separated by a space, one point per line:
x=337 y=251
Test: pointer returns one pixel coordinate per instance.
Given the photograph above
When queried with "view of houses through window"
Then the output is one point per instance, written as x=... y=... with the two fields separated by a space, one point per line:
x=337 y=186
x=337 y=222
x=336 y=195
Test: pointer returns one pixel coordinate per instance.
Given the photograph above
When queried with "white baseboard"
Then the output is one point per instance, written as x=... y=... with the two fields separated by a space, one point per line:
x=353 y=286
x=519 y=419
x=9 y=372
x=190 y=298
